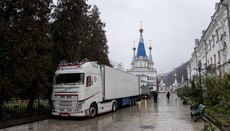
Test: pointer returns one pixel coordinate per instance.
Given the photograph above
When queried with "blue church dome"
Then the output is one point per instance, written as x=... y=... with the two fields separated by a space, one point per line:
x=141 y=50
x=141 y=46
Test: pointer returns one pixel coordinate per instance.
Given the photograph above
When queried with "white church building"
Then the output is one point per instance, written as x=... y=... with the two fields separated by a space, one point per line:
x=143 y=65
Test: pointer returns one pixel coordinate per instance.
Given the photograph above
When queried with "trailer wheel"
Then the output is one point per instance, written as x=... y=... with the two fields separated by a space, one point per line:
x=134 y=101
x=114 y=107
x=131 y=102
x=93 y=111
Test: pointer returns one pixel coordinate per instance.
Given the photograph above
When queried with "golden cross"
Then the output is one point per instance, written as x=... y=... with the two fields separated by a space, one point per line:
x=141 y=23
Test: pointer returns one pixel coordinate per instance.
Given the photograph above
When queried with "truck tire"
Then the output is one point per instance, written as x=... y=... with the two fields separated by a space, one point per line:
x=134 y=101
x=130 y=101
x=93 y=111
x=114 y=107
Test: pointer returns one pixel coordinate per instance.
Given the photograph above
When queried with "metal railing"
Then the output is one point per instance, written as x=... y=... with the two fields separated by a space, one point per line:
x=17 y=109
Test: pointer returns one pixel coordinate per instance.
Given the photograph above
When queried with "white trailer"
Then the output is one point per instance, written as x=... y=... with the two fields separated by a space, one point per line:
x=88 y=89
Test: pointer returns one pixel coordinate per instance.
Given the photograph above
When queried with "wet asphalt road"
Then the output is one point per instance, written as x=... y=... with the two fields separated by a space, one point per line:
x=166 y=115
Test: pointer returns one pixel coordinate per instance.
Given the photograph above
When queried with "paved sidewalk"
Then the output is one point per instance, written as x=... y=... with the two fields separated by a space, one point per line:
x=166 y=115
x=172 y=115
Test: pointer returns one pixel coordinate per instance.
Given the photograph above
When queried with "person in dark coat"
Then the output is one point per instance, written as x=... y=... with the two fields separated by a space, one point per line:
x=155 y=95
x=168 y=95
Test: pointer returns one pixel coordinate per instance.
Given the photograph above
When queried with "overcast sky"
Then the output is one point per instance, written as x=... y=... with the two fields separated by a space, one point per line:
x=171 y=25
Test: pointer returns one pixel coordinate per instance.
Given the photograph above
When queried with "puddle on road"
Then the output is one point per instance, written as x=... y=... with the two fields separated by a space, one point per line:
x=147 y=127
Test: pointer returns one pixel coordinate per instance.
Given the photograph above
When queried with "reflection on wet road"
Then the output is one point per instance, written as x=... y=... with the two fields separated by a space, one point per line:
x=166 y=115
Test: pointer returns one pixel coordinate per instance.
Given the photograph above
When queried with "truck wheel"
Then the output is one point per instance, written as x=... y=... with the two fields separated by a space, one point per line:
x=134 y=101
x=130 y=101
x=114 y=107
x=92 y=111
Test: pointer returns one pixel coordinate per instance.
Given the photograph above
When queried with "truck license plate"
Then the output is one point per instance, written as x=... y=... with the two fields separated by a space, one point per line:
x=65 y=115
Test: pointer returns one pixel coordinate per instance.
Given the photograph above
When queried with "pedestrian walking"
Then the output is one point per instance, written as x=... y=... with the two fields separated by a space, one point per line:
x=155 y=96
x=168 y=95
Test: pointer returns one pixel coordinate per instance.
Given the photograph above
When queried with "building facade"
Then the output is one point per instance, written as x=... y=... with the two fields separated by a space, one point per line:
x=143 y=66
x=212 y=50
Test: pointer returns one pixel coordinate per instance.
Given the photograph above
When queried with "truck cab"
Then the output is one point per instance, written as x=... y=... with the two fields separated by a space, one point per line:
x=76 y=86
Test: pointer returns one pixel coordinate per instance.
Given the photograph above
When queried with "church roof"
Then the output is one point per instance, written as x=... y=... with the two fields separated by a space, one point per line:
x=175 y=82
x=141 y=46
x=150 y=58
x=162 y=82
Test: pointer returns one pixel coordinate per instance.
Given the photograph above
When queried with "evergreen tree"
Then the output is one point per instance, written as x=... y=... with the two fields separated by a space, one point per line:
x=6 y=70
x=78 y=33
x=97 y=46
x=68 y=30
x=25 y=46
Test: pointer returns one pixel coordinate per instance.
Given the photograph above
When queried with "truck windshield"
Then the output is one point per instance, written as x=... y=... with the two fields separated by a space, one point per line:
x=73 y=78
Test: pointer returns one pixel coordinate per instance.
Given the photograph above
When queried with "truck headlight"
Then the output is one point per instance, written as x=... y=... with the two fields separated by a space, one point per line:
x=79 y=107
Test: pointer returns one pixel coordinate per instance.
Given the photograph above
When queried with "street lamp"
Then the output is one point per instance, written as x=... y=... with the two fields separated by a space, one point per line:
x=199 y=69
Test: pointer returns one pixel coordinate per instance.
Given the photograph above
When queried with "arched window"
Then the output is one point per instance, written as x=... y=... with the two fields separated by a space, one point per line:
x=218 y=57
x=225 y=52
x=213 y=40
x=224 y=46
x=214 y=59
x=217 y=36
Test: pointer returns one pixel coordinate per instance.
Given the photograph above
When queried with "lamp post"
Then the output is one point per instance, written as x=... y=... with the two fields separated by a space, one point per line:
x=199 y=69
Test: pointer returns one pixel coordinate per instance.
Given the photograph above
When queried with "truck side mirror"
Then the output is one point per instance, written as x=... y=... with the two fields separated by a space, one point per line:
x=89 y=81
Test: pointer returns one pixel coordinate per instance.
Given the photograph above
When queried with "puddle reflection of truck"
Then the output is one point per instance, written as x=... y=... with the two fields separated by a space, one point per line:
x=88 y=89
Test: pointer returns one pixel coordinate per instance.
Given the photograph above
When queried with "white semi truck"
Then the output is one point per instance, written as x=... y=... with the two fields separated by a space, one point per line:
x=88 y=89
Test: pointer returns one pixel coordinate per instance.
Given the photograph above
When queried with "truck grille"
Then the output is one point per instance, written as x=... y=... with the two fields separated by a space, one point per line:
x=66 y=103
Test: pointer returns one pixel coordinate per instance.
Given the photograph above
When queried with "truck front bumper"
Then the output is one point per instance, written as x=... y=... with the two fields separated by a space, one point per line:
x=66 y=114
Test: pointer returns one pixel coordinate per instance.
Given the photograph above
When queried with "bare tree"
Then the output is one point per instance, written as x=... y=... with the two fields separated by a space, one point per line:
x=120 y=66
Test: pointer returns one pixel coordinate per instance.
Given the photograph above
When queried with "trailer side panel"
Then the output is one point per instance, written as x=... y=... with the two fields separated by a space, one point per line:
x=119 y=84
